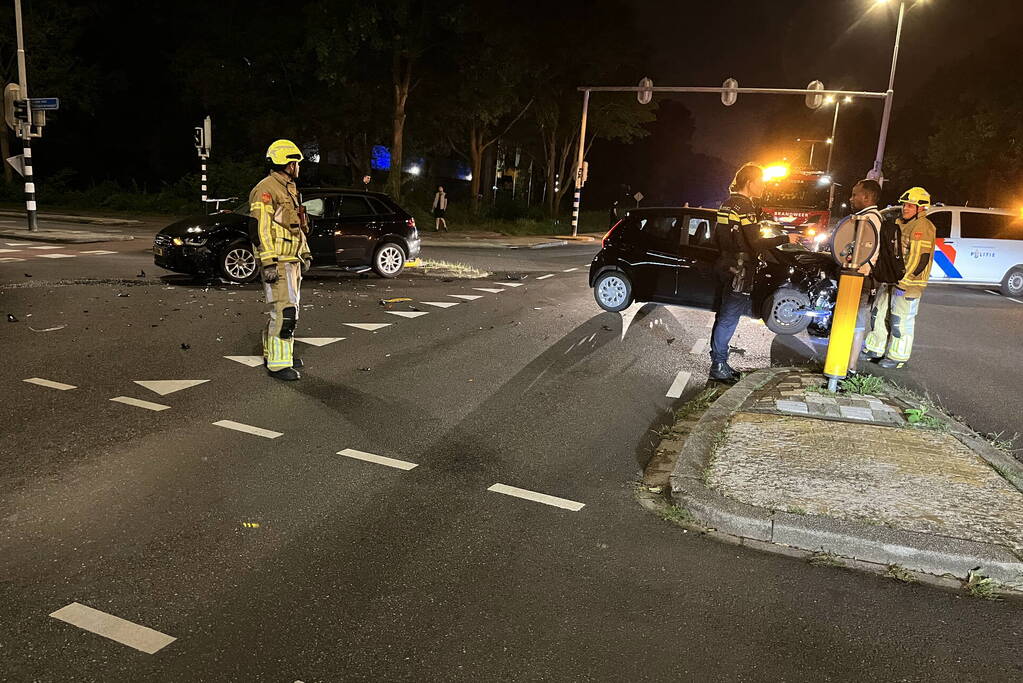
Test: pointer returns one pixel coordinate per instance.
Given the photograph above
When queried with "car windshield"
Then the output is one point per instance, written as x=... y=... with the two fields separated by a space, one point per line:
x=796 y=194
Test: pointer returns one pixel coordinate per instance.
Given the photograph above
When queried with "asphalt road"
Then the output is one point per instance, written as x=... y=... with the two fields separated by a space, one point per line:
x=301 y=558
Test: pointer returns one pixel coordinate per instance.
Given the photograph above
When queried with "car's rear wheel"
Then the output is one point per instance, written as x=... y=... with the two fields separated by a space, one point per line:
x=784 y=312
x=613 y=291
x=238 y=262
x=389 y=260
x=1012 y=283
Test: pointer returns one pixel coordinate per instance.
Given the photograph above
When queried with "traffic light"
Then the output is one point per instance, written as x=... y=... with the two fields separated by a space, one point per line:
x=12 y=104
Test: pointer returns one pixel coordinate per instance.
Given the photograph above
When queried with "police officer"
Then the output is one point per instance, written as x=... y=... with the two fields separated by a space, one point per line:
x=283 y=254
x=739 y=243
x=892 y=345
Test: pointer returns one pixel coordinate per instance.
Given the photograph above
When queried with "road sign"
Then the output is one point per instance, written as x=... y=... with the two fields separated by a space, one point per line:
x=815 y=101
x=18 y=162
x=646 y=94
x=638 y=197
x=730 y=95
x=45 y=103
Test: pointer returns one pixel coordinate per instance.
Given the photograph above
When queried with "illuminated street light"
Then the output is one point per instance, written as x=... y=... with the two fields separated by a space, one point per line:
x=414 y=170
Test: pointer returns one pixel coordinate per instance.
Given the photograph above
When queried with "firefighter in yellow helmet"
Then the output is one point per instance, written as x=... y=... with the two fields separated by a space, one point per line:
x=893 y=318
x=284 y=255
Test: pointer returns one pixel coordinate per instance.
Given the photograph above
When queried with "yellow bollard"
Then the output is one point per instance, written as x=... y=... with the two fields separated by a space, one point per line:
x=843 y=327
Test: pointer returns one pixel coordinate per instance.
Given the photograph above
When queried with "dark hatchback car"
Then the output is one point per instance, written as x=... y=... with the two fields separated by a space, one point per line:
x=350 y=229
x=669 y=255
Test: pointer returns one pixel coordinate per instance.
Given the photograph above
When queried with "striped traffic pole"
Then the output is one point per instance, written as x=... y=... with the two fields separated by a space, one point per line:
x=202 y=164
x=579 y=164
x=30 y=186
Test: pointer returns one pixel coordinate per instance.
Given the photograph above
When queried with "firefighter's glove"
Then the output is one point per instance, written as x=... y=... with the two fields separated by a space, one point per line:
x=270 y=274
x=307 y=263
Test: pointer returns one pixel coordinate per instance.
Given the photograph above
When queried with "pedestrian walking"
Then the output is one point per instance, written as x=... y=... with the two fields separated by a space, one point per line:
x=893 y=315
x=739 y=242
x=440 y=208
x=284 y=254
x=612 y=215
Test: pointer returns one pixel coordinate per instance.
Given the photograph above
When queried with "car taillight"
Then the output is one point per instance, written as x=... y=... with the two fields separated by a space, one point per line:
x=411 y=222
x=603 y=242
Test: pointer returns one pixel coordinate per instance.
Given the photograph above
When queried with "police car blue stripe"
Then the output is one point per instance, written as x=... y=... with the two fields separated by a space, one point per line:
x=946 y=265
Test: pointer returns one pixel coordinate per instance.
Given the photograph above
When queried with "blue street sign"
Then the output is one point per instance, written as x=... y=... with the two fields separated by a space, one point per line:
x=45 y=103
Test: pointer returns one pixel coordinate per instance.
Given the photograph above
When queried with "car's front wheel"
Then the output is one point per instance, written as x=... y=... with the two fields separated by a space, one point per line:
x=1012 y=283
x=784 y=312
x=613 y=291
x=237 y=262
x=389 y=260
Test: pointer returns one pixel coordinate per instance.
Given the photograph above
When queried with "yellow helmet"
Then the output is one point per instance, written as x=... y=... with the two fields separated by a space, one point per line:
x=283 y=152
x=916 y=195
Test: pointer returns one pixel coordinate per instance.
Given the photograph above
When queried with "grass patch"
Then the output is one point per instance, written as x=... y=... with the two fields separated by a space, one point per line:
x=980 y=586
x=900 y=573
x=676 y=514
x=796 y=510
x=823 y=559
x=698 y=404
x=862 y=384
x=920 y=417
x=458 y=271
x=999 y=441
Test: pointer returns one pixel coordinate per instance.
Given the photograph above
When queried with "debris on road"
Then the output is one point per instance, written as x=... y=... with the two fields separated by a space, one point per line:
x=48 y=329
x=142 y=273
x=670 y=340
x=11 y=318
x=185 y=347
x=396 y=300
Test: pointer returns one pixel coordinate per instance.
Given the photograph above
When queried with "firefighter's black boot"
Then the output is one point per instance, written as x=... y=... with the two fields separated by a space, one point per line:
x=723 y=372
x=286 y=374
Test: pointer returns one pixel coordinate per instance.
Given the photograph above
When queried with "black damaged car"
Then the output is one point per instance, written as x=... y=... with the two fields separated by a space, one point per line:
x=350 y=229
x=669 y=256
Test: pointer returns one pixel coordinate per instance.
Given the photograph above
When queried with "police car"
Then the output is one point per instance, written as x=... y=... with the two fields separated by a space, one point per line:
x=978 y=247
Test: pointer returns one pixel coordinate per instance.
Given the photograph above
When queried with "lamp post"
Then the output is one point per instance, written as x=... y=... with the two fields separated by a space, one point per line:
x=832 y=141
x=875 y=173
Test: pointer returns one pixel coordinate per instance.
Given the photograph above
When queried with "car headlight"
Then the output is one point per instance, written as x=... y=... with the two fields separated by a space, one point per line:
x=177 y=241
x=197 y=241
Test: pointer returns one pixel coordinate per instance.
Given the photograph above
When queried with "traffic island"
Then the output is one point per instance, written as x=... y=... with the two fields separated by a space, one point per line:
x=876 y=479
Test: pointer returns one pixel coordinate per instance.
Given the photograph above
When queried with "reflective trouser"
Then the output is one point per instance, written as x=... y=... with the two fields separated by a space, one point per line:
x=283 y=297
x=892 y=322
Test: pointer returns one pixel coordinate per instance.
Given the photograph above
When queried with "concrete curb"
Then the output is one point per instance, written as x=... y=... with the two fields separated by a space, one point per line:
x=779 y=531
x=495 y=244
x=71 y=218
x=65 y=236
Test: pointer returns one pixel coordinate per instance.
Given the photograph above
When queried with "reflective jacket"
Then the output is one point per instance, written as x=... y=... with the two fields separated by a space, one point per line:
x=918 y=235
x=274 y=204
x=738 y=238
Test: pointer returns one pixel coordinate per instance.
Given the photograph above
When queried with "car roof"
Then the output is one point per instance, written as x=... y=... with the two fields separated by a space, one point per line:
x=346 y=190
x=653 y=209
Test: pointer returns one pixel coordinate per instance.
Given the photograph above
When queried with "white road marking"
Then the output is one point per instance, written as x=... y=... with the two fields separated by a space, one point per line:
x=99 y=251
x=251 y=361
x=56 y=255
x=679 y=385
x=698 y=346
x=467 y=297
x=440 y=304
x=16 y=244
x=138 y=403
x=627 y=316
x=49 y=383
x=117 y=629
x=569 y=270
x=51 y=247
x=9 y=251
x=1016 y=300
x=169 y=386
x=991 y=291
x=378 y=459
x=407 y=314
x=248 y=429
x=544 y=277
x=319 y=341
x=369 y=327
x=562 y=503
x=489 y=290
x=510 y=284
x=10 y=260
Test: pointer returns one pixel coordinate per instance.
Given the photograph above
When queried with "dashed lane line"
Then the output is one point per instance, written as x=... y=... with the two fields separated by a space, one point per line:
x=56 y=255
x=544 y=277
x=467 y=297
x=525 y=494
x=510 y=284
x=991 y=291
x=248 y=429
x=1016 y=300
x=378 y=459
x=99 y=252
x=488 y=290
x=139 y=403
x=117 y=629
x=369 y=327
x=46 y=247
x=50 y=384
x=407 y=314
x=317 y=341
x=168 y=386
x=569 y=270
x=17 y=244
x=251 y=361
x=679 y=385
x=699 y=346
x=9 y=251
x=440 y=304
x=10 y=260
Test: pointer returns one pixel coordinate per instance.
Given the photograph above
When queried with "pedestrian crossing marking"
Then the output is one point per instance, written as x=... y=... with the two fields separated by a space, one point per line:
x=319 y=341
x=49 y=384
x=440 y=304
x=467 y=297
x=407 y=314
x=251 y=361
x=169 y=386
x=488 y=290
x=368 y=326
x=510 y=284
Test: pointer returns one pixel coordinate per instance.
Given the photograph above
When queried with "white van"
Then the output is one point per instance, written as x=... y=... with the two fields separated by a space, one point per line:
x=978 y=247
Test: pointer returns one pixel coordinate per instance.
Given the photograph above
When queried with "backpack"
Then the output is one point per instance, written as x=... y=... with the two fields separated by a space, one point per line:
x=891 y=263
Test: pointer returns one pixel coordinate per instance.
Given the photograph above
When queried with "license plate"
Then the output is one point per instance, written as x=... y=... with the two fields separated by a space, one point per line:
x=158 y=251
